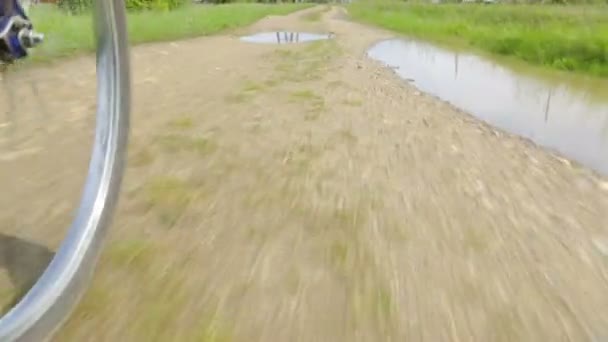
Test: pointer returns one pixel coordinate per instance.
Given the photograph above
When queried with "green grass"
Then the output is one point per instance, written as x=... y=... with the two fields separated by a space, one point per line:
x=67 y=35
x=306 y=64
x=304 y=95
x=141 y=157
x=168 y=197
x=133 y=253
x=570 y=38
x=315 y=102
x=182 y=123
x=173 y=143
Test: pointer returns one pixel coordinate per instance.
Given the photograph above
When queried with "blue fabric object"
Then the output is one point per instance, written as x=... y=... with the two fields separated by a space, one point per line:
x=11 y=41
x=17 y=10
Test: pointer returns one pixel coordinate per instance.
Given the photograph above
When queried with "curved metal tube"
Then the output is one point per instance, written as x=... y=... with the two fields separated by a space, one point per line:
x=50 y=301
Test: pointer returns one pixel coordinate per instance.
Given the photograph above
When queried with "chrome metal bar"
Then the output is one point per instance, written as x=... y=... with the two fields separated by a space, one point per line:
x=50 y=301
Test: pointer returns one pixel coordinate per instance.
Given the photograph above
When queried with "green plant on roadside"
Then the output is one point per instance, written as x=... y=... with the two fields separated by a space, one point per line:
x=69 y=34
x=74 y=6
x=166 y=5
x=570 y=38
x=80 y=6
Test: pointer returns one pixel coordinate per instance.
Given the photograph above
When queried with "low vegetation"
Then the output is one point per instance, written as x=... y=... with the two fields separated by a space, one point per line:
x=571 y=38
x=69 y=34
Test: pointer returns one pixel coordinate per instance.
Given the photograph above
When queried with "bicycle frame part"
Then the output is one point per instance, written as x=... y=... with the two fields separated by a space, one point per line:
x=48 y=304
x=16 y=32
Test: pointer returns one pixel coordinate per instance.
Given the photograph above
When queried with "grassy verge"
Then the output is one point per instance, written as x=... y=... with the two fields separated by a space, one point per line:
x=68 y=35
x=571 y=38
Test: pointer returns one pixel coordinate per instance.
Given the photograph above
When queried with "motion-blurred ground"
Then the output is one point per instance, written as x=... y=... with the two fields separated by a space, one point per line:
x=304 y=193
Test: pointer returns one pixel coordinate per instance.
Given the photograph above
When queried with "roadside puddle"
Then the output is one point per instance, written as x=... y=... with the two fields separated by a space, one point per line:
x=556 y=115
x=285 y=37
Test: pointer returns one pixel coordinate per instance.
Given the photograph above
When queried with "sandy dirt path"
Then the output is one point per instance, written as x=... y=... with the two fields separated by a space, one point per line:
x=304 y=193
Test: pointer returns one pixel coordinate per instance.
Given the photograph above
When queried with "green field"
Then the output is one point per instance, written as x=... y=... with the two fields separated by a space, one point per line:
x=67 y=35
x=570 y=38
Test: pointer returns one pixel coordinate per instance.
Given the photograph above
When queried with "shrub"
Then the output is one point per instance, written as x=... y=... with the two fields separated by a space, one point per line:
x=74 y=6
x=79 y=6
x=166 y=5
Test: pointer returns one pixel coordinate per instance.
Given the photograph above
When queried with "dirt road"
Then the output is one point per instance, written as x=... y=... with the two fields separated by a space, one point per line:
x=305 y=193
